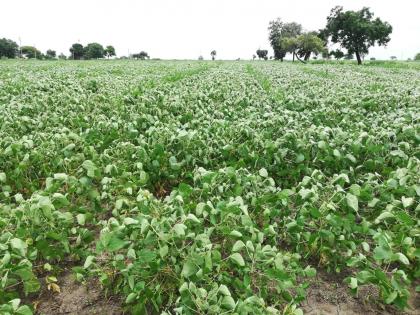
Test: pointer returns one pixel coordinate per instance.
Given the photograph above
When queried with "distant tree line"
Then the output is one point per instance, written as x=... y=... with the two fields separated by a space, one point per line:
x=91 y=51
x=355 y=31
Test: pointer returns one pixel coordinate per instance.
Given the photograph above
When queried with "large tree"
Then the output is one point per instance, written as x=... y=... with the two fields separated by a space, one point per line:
x=94 y=51
x=8 y=48
x=309 y=43
x=31 y=52
x=357 y=31
x=262 y=54
x=278 y=30
x=141 y=55
x=51 y=54
x=77 y=51
x=110 y=51
x=213 y=54
x=417 y=57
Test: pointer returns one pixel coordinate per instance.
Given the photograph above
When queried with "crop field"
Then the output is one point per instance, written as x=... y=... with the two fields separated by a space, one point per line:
x=169 y=187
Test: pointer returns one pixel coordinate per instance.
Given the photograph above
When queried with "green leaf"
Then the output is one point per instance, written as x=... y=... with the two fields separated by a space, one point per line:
x=381 y=253
x=88 y=261
x=228 y=303
x=353 y=283
x=81 y=219
x=180 y=229
x=238 y=246
x=130 y=221
x=235 y=233
x=391 y=297
x=19 y=246
x=402 y=258
x=263 y=172
x=23 y=310
x=224 y=290
x=3 y=177
x=189 y=269
x=143 y=178
x=352 y=202
x=365 y=246
x=407 y=202
x=237 y=259
x=131 y=297
x=163 y=251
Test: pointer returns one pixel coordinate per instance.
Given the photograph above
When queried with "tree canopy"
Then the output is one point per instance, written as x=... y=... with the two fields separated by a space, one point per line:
x=278 y=30
x=213 y=54
x=417 y=57
x=110 y=51
x=262 y=54
x=357 y=31
x=94 y=51
x=308 y=43
x=8 y=48
x=77 y=51
x=141 y=55
x=51 y=53
x=31 y=52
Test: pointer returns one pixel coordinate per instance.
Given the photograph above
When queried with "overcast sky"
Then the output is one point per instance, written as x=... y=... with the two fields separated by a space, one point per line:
x=185 y=29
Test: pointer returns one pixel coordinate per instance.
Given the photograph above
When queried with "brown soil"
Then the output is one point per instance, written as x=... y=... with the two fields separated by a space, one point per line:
x=76 y=299
x=328 y=295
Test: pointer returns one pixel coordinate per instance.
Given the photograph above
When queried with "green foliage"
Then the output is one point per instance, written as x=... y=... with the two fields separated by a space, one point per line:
x=93 y=51
x=141 y=55
x=110 y=51
x=77 y=51
x=357 y=30
x=213 y=54
x=31 y=52
x=208 y=187
x=8 y=48
x=262 y=54
x=417 y=57
x=278 y=31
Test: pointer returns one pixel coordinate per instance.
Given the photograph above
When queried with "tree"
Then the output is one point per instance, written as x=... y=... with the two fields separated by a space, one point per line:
x=94 y=51
x=417 y=57
x=277 y=30
x=309 y=43
x=200 y=57
x=338 y=54
x=77 y=51
x=349 y=56
x=289 y=45
x=110 y=51
x=31 y=52
x=8 y=48
x=393 y=57
x=213 y=54
x=51 y=54
x=262 y=54
x=62 y=56
x=254 y=56
x=141 y=55
x=357 y=31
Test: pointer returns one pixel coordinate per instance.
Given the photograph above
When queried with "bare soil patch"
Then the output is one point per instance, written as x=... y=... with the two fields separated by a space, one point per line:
x=76 y=298
x=328 y=295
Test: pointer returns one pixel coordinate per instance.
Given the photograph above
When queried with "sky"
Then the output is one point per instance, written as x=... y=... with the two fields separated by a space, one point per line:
x=186 y=29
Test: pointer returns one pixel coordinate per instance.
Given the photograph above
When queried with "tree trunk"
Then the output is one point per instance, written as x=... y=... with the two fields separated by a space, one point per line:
x=293 y=57
x=307 y=56
x=359 y=60
x=300 y=59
